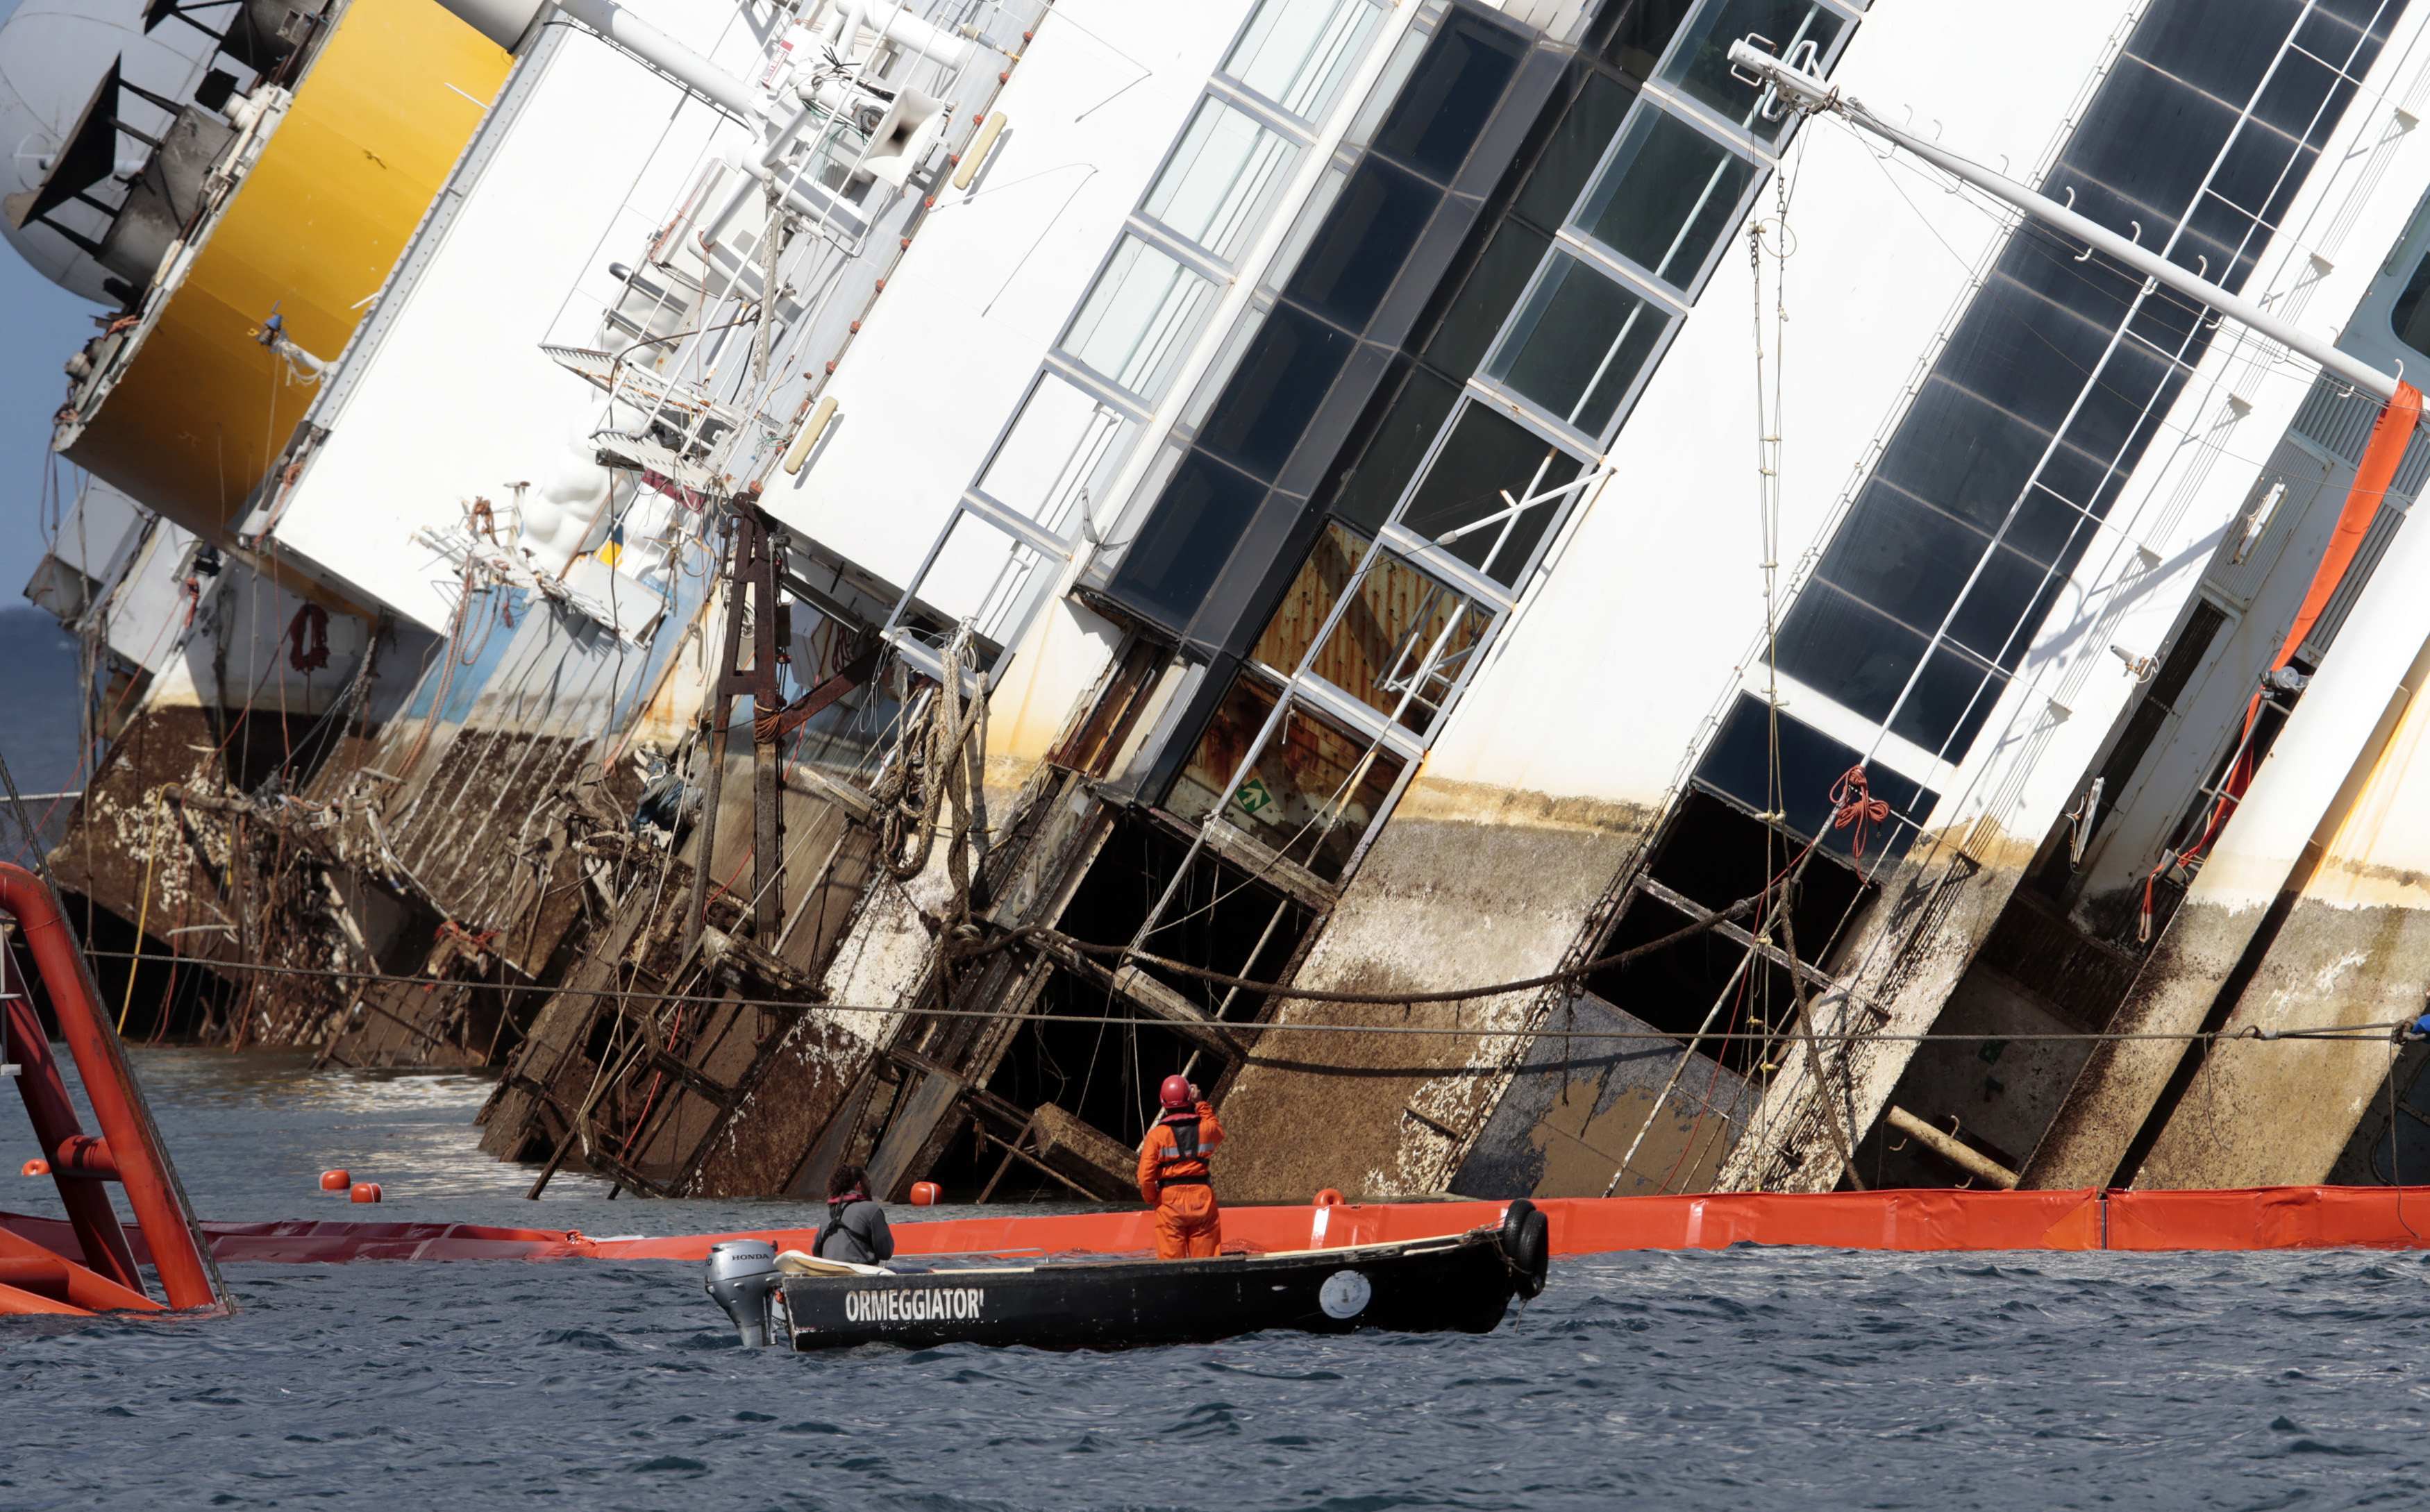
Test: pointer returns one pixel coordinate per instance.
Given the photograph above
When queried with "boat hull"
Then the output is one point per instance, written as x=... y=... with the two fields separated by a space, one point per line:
x=1463 y=1284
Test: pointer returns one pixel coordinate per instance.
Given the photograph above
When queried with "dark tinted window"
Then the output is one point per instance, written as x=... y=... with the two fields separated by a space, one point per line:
x=2410 y=318
x=1449 y=95
x=1370 y=230
x=1639 y=30
x=1486 y=456
x=1949 y=701
x=1739 y=764
x=1484 y=300
x=1281 y=379
x=1186 y=539
x=1672 y=192
x=1575 y=146
x=1412 y=410
x=1702 y=69
x=1859 y=654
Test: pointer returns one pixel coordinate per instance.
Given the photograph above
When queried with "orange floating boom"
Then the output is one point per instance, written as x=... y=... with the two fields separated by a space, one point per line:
x=2262 y=1218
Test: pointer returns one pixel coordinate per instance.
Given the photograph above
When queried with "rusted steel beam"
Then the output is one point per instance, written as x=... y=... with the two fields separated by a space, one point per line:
x=682 y=1070
x=1964 y=1157
x=784 y=721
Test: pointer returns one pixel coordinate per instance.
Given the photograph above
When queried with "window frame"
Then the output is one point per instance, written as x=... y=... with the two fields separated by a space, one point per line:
x=1574 y=230
x=1661 y=86
x=1190 y=261
x=1219 y=93
x=1356 y=47
x=1486 y=382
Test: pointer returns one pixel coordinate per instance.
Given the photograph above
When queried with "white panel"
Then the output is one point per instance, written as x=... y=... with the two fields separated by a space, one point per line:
x=950 y=348
x=1064 y=446
x=457 y=401
x=97 y=529
x=984 y=575
x=149 y=607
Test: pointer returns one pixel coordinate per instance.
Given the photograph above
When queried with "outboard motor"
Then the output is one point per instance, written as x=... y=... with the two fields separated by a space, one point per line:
x=740 y=1275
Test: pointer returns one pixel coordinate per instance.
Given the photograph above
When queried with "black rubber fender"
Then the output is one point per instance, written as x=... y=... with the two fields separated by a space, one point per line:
x=1527 y=1244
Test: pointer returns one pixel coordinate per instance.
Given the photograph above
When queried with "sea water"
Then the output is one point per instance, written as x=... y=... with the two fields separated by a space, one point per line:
x=1739 y=1379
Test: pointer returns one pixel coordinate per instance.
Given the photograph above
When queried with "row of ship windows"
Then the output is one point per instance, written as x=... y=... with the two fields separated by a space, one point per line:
x=2017 y=444
x=2040 y=405
x=2052 y=385
x=1381 y=623
x=1379 y=628
x=1579 y=343
x=1061 y=450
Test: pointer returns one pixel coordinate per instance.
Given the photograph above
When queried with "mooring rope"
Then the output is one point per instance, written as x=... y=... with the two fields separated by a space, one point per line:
x=2374 y=1032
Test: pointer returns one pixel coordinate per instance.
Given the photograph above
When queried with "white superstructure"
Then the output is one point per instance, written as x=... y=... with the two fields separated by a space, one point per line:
x=1433 y=494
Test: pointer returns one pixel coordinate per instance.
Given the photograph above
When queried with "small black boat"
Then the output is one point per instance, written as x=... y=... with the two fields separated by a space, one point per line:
x=1460 y=1282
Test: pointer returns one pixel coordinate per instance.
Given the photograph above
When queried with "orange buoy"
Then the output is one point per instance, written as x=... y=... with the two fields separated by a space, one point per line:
x=923 y=1194
x=366 y=1191
x=36 y=1167
x=335 y=1180
x=1328 y=1197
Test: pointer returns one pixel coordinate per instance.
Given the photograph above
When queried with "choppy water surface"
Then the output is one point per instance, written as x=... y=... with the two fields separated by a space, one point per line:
x=1741 y=1379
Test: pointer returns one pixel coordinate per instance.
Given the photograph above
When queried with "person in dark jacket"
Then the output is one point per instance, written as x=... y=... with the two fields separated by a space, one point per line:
x=856 y=1227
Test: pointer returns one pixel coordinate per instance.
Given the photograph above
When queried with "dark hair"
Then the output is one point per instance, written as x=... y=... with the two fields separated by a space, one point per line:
x=846 y=1180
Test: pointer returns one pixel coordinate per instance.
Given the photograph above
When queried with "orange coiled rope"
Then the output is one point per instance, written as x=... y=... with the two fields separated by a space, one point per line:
x=1852 y=804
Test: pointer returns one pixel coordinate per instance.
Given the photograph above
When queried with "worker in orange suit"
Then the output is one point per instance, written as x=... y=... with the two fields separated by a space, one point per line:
x=1172 y=1174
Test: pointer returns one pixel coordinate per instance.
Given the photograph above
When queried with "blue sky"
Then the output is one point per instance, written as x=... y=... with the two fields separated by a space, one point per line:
x=43 y=326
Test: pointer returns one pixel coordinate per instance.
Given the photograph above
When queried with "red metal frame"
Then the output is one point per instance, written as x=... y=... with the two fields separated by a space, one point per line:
x=101 y=1273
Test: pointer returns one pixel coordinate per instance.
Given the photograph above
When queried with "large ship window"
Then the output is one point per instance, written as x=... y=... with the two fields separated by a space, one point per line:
x=1297 y=54
x=1640 y=33
x=1701 y=67
x=1492 y=491
x=1302 y=786
x=1580 y=344
x=1669 y=196
x=1141 y=319
x=1058 y=456
x=1331 y=565
x=1399 y=641
x=1220 y=181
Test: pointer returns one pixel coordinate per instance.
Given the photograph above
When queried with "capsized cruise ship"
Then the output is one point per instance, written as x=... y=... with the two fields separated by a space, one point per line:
x=1548 y=597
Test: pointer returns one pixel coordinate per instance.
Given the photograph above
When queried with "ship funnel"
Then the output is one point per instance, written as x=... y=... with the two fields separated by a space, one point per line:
x=742 y=1275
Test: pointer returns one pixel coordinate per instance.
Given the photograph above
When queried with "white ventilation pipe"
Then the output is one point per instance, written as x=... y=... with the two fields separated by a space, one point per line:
x=897 y=25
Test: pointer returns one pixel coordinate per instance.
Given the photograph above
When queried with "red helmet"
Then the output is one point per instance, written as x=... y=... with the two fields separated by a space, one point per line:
x=1177 y=1092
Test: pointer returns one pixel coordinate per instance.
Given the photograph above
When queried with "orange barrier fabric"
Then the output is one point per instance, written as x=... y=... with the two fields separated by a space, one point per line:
x=2262 y=1218
x=2376 y=471
x=2271 y=1217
